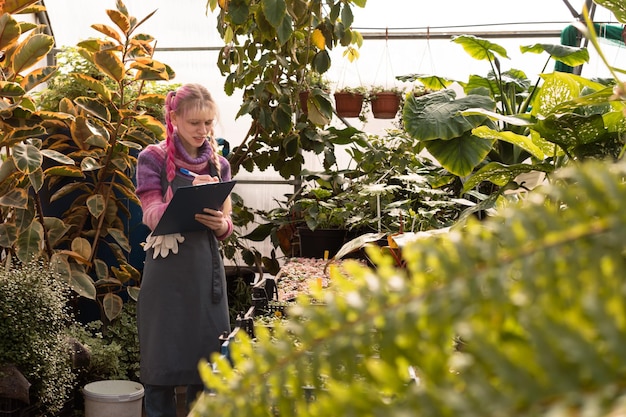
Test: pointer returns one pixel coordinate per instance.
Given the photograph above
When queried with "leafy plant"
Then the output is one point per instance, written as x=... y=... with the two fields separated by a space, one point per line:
x=270 y=48
x=482 y=321
x=78 y=159
x=506 y=125
x=35 y=314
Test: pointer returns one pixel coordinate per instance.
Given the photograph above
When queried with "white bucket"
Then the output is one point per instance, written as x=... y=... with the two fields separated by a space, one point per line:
x=116 y=398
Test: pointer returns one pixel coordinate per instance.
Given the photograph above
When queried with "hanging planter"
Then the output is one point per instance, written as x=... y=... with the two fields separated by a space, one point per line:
x=349 y=103
x=385 y=104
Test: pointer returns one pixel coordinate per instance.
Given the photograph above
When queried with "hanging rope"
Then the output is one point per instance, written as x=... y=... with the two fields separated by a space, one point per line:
x=385 y=60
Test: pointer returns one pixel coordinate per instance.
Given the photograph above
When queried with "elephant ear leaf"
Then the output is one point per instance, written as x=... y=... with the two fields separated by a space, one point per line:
x=460 y=155
x=439 y=116
x=568 y=55
x=480 y=49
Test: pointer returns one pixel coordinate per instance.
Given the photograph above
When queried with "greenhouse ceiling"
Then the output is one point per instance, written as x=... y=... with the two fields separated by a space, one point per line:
x=401 y=37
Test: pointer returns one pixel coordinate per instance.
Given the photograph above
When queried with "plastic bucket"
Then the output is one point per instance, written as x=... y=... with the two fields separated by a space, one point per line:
x=116 y=398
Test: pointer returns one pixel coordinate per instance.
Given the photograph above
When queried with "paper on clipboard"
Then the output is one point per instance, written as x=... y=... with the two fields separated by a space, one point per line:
x=187 y=202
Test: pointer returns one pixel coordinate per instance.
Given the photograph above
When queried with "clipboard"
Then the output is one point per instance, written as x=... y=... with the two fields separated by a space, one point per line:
x=187 y=202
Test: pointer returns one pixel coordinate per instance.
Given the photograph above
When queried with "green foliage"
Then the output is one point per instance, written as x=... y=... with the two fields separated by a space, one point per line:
x=114 y=353
x=78 y=159
x=506 y=124
x=521 y=315
x=33 y=320
x=271 y=50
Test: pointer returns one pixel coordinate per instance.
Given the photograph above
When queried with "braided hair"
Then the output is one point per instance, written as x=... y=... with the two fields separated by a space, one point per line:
x=187 y=97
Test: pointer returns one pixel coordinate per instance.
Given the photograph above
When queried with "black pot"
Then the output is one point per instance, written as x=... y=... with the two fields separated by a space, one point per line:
x=313 y=243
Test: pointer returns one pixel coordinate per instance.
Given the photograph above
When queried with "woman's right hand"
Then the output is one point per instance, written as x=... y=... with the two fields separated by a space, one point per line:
x=204 y=179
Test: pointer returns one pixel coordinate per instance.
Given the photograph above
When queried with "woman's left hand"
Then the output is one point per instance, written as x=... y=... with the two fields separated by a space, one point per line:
x=214 y=220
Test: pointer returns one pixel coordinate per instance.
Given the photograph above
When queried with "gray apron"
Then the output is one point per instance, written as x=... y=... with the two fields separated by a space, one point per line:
x=182 y=308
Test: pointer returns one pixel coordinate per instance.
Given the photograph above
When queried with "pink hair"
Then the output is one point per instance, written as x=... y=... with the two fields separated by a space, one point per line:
x=187 y=97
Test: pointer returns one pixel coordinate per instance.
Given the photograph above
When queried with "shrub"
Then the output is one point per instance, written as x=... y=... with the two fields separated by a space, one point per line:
x=33 y=319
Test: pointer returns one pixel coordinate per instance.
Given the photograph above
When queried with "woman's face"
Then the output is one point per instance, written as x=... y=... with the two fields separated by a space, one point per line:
x=193 y=127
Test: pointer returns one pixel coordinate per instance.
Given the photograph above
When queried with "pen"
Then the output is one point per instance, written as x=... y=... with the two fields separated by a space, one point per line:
x=187 y=172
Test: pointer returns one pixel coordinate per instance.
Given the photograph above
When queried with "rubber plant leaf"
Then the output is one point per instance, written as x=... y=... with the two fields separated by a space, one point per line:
x=96 y=204
x=31 y=51
x=11 y=89
x=112 y=304
x=109 y=63
x=9 y=31
x=17 y=198
x=27 y=158
x=55 y=229
x=94 y=107
x=93 y=84
x=29 y=241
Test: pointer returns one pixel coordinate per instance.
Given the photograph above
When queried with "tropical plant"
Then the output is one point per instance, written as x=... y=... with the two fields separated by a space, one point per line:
x=271 y=47
x=66 y=189
x=35 y=315
x=481 y=322
x=506 y=125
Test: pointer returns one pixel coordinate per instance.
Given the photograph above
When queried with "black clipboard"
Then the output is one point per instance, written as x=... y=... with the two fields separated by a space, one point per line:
x=187 y=201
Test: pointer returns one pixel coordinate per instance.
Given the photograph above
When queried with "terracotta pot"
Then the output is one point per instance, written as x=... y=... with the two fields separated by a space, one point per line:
x=348 y=104
x=385 y=105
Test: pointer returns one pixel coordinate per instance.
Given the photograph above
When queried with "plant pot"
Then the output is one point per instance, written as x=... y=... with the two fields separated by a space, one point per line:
x=313 y=243
x=385 y=105
x=348 y=104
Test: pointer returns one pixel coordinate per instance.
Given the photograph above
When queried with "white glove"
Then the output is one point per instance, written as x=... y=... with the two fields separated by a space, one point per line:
x=163 y=244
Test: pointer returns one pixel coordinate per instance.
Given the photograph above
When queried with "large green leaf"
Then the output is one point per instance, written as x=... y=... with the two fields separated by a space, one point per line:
x=479 y=48
x=31 y=51
x=460 y=155
x=501 y=174
x=558 y=88
x=571 y=130
x=568 y=55
x=522 y=141
x=120 y=238
x=618 y=8
x=438 y=115
x=27 y=158
x=275 y=11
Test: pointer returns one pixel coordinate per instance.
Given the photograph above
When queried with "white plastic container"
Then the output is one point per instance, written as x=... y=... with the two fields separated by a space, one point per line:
x=116 y=398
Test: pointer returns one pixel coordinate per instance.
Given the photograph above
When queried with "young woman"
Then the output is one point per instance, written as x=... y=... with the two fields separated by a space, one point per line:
x=182 y=308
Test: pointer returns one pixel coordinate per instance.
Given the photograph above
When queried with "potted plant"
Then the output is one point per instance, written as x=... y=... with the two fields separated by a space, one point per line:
x=33 y=335
x=385 y=101
x=349 y=101
x=315 y=84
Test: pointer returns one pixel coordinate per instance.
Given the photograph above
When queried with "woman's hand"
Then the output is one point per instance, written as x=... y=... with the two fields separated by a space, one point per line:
x=204 y=179
x=215 y=220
